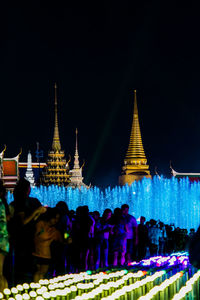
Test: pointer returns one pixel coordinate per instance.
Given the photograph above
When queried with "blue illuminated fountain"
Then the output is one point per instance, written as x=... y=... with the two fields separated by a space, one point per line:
x=169 y=200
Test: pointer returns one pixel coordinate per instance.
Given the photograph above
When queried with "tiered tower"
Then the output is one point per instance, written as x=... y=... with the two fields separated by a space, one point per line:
x=76 y=179
x=56 y=171
x=29 y=171
x=135 y=163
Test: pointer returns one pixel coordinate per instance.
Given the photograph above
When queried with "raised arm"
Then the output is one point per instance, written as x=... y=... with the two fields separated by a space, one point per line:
x=34 y=216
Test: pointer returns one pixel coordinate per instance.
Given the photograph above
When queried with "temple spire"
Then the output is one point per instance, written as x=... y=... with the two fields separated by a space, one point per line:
x=56 y=171
x=29 y=172
x=76 y=156
x=135 y=148
x=135 y=162
x=56 y=146
x=76 y=179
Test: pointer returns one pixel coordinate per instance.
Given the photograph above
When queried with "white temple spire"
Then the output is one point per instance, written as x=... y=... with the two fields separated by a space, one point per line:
x=76 y=179
x=76 y=156
x=29 y=172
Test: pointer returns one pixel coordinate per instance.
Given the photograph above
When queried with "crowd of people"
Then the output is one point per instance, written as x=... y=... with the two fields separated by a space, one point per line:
x=37 y=241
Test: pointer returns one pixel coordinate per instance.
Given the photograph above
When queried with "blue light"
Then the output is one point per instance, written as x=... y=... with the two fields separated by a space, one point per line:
x=169 y=200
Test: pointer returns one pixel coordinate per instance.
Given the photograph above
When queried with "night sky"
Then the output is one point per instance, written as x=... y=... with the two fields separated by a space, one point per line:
x=98 y=52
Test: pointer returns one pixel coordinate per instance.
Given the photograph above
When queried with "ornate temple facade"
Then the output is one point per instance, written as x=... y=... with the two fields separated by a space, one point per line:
x=57 y=171
x=9 y=170
x=135 y=163
x=76 y=178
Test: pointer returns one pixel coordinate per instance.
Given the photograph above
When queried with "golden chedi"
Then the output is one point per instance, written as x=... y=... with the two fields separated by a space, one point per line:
x=135 y=163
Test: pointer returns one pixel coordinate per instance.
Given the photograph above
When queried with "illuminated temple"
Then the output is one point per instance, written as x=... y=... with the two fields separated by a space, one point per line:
x=135 y=163
x=76 y=178
x=57 y=171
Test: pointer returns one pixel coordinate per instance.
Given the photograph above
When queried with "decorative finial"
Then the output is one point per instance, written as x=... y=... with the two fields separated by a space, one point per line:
x=156 y=172
x=4 y=148
x=83 y=164
x=20 y=152
x=56 y=140
x=135 y=99
x=69 y=159
x=55 y=86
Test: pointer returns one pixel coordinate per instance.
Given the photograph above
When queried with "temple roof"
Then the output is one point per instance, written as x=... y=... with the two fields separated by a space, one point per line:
x=10 y=165
x=35 y=165
x=192 y=176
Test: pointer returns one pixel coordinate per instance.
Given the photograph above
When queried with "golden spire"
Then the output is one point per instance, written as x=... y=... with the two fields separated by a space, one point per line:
x=56 y=146
x=135 y=148
x=76 y=149
x=135 y=163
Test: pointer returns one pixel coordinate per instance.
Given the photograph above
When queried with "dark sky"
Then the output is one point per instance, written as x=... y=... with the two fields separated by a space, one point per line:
x=98 y=52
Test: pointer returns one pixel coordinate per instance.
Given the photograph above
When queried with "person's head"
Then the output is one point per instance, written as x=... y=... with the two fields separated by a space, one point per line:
x=62 y=207
x=125 y=209
x=148 y=224
x=22 y=189
x=142 y=220
x=152 y=222
x=51 y=216
x=161 y=225
x=117 y=212
x=107 y=214
x=78 y=211
x=96 y=215
x=82 y=211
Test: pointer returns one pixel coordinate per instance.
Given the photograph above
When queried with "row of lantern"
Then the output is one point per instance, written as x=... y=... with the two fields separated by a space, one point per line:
x=169 y=277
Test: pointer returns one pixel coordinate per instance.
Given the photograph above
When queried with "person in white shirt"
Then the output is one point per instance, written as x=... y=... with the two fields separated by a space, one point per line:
x=154 y=234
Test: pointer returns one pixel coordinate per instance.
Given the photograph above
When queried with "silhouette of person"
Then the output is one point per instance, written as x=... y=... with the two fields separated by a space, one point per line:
x=4 y=241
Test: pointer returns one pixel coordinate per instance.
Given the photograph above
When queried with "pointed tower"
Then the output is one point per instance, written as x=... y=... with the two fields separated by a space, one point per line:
x=56 y=171
x=56 y=139
x=76 y=179
x=29 y=172
x=135 y=163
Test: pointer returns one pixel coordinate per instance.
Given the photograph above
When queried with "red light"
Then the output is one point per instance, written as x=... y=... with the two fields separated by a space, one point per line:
x=144 y=272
